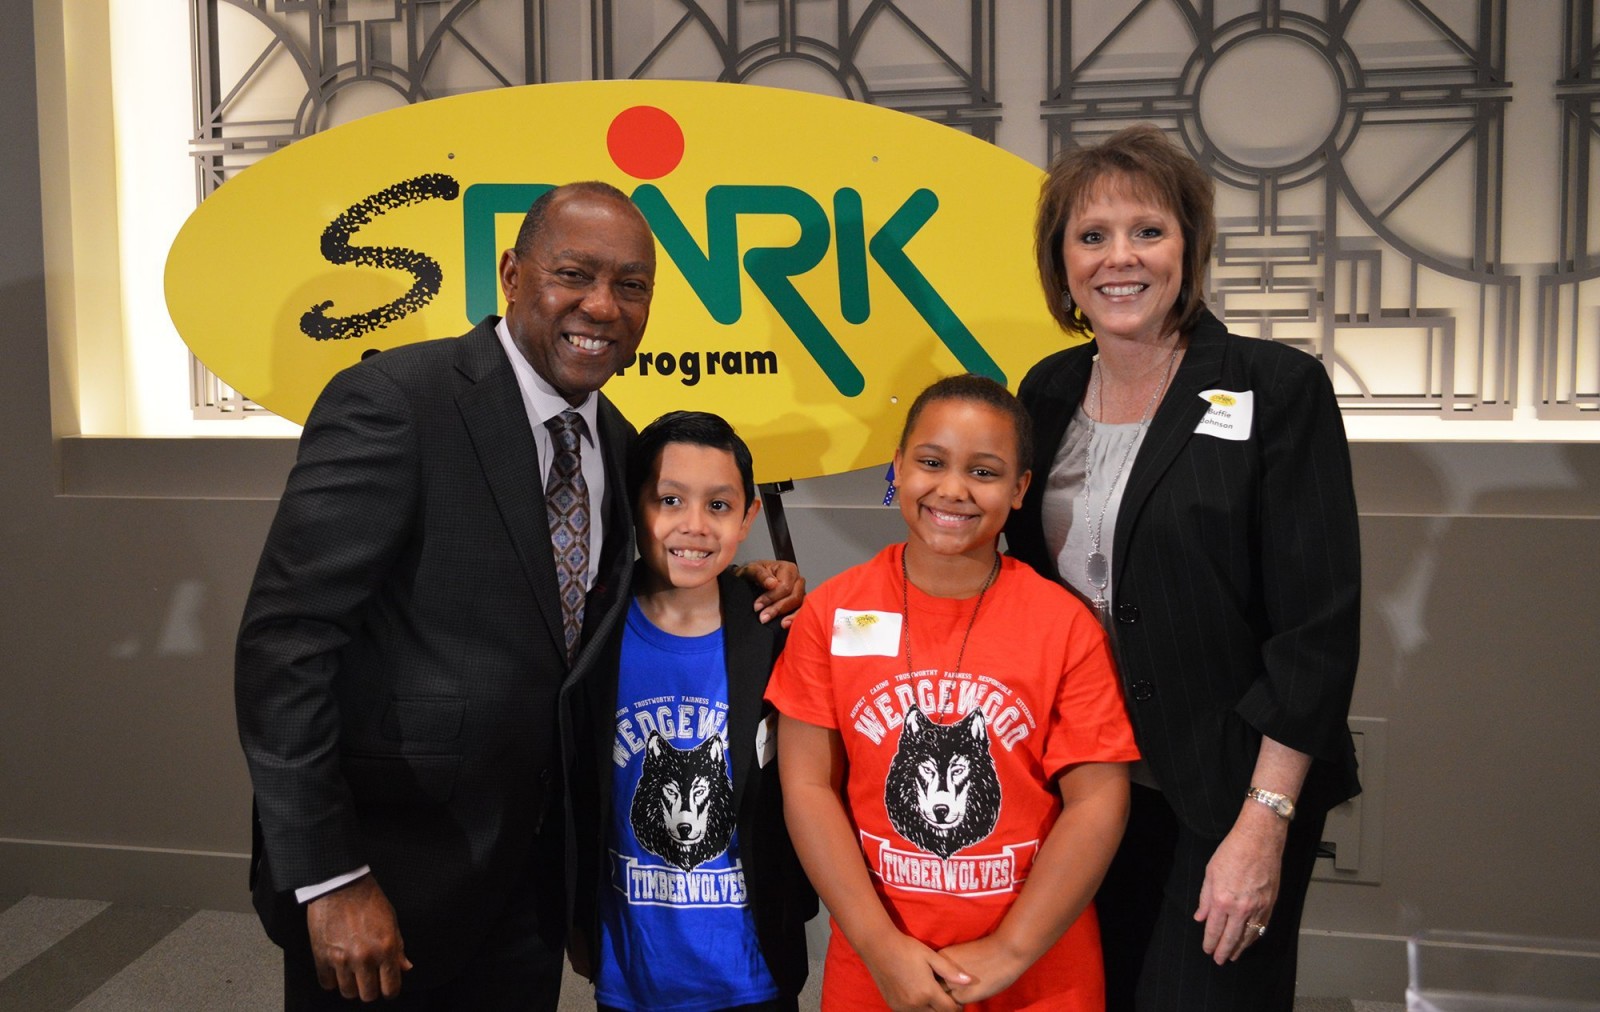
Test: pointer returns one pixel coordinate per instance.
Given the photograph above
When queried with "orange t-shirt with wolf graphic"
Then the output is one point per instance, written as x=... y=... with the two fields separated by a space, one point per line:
x=950 y=780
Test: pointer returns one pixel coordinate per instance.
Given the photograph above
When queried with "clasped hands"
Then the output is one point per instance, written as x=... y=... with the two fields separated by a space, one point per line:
x=912 y=976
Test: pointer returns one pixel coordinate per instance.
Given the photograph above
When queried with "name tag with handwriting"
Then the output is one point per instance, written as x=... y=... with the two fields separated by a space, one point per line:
x=1229 y=414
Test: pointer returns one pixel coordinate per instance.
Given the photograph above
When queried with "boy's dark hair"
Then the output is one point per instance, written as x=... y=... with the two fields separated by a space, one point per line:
x=981 y=390
x=696 y=428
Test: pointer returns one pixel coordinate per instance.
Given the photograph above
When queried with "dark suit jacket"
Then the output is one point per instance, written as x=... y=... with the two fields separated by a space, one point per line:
x=401 y=652
x=1237 y=572
x=780 y=895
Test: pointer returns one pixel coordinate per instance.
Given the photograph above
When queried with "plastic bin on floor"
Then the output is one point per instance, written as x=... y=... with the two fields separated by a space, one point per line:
x=1458 y=971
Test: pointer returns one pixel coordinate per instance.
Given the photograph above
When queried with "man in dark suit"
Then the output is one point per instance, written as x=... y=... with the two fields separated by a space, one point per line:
x=405 y=639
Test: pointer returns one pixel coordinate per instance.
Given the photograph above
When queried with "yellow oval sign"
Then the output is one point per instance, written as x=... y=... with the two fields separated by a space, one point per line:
x=819 y=260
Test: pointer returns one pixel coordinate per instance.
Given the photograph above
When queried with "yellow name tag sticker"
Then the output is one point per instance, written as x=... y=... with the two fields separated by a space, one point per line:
x=1229 y=415
x=819 y=261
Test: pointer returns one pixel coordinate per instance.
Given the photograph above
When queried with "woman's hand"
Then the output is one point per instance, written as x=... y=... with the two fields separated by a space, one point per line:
x=1241 y=883
x=910 y=976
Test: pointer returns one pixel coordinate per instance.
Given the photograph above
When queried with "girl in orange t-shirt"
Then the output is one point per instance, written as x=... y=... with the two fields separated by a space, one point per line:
x=953 y=742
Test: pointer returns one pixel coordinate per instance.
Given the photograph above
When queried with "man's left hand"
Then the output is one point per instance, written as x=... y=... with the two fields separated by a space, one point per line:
x=782 y=585
x=355 y=941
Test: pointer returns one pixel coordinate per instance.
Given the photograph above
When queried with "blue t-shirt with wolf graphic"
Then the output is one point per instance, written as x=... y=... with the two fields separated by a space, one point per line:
x=676 y=932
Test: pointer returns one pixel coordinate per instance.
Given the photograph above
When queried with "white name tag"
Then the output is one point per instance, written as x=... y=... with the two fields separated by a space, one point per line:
x=1229 y=415
x=866 y=633
x=767 y=739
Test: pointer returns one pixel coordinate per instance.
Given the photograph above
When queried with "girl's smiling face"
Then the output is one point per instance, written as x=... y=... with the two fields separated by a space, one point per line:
x=959 y=477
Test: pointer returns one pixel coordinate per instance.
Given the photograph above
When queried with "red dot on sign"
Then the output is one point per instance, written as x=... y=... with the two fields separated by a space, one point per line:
x=645 y=142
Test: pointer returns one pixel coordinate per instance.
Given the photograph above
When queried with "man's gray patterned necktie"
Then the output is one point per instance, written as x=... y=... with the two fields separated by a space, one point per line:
x=566 y=501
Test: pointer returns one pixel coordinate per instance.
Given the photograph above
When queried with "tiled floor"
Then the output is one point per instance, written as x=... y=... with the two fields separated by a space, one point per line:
x=57 y=955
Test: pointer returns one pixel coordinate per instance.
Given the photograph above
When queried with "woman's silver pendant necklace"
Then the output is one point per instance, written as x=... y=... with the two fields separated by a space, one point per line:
x=1097 y=568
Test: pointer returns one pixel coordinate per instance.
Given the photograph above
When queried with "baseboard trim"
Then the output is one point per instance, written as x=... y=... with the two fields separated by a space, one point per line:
x=1349 y=964
x=148 y=876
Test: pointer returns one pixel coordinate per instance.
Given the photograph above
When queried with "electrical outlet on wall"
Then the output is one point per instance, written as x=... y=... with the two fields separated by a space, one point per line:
x=1352 y=838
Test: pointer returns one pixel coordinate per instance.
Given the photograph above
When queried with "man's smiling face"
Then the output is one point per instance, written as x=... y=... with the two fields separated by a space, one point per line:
x=578 y=297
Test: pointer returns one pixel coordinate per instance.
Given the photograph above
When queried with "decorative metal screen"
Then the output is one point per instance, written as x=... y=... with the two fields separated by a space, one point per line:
x=883 y=53
x=1330 y=128
x=1336 y=131
x=268 y=72
x=1567 y=373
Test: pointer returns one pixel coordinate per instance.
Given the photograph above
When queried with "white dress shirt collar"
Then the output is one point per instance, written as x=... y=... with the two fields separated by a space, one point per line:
x=539 y=397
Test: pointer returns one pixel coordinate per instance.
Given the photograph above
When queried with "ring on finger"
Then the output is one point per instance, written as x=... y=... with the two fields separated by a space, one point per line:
x=1259 y=928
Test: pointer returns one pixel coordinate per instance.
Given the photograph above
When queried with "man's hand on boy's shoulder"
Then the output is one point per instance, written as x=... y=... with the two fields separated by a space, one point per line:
x=782 y=585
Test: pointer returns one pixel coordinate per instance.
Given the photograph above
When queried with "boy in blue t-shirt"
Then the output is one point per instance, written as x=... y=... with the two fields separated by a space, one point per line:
x=689 y=896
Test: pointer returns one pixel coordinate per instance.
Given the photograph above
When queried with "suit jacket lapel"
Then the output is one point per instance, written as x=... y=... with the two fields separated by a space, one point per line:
x=747 y=650
x=496 y=420
x=1171 y=429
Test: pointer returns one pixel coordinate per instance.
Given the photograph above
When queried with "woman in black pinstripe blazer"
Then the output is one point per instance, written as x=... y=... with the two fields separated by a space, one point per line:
x=1194 y=486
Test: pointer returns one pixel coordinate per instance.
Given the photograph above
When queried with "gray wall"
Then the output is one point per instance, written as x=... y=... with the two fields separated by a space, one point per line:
x=121 y=779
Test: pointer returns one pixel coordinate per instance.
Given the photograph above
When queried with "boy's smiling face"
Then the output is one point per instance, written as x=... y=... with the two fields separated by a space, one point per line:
x=692 y=515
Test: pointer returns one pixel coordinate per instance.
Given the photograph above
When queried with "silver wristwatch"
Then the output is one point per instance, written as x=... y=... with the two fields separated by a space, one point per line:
x=1281 y=804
